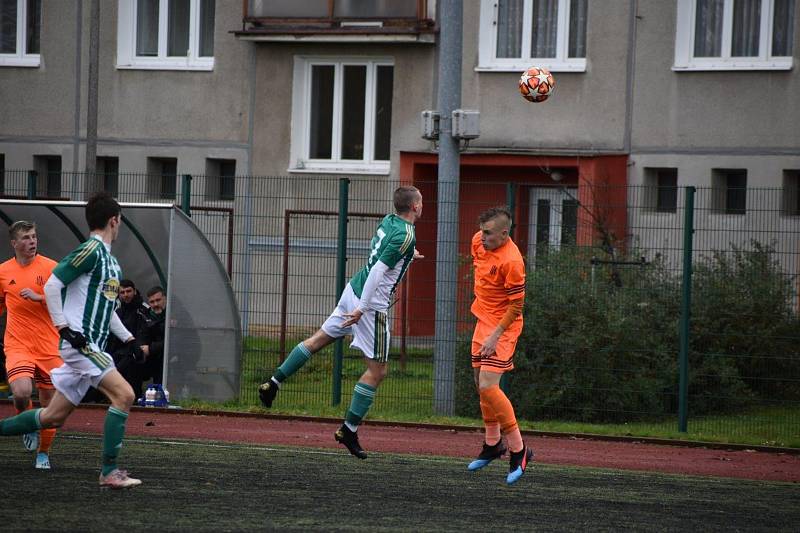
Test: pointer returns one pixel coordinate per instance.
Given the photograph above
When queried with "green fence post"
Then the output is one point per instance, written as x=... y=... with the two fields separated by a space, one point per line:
x=186 y=194
x=686 y=303
x=341 y=263
x=32 y=174
x=511 y=202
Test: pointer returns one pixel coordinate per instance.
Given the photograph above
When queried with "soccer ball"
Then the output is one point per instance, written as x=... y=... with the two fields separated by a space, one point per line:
x=536 y=84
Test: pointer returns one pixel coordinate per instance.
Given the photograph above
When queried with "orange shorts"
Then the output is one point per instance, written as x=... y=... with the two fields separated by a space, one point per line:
x=502 y=360
x=21 y=364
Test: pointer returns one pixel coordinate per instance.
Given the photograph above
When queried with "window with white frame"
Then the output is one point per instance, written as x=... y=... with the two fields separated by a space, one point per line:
x=341 y=115
x=166 y=34
x=734 y=35
x=515 y=34
x=20 y=29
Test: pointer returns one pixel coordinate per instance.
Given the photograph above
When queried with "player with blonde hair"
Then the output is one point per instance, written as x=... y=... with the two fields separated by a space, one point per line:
x=499 y=300
x=30 y=341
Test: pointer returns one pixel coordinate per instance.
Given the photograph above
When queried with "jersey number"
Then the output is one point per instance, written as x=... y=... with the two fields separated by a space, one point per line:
x=376 y=244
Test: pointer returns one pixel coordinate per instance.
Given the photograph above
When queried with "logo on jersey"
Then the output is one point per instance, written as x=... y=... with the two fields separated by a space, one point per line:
x=12 y=282
x=40 y=281
x=493 y=270
x=111 y=289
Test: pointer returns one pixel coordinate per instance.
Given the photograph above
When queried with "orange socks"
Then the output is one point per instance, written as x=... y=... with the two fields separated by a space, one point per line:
x=46 y=437
x=491 y=424
x=496 y=400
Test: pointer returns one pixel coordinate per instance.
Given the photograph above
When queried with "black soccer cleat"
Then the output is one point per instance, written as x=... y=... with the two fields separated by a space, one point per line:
x=518 y=463
x=487 y=455
x=267 y=392
x=350 y=440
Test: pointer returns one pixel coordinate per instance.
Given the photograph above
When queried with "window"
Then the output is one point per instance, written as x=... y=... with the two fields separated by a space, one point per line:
x=791 y=192
x=107 y=171
x=730 y=191
x=220 y=179
x=20 y=29
x=166 y=34
x=734 y=35
x=48 y=171
x=661 y=191
x=162 y=177
x=342 y=115
x=517 y=33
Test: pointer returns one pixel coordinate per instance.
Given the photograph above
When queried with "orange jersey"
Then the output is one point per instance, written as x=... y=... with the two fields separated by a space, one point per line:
x=29 y=328
x=499 y=279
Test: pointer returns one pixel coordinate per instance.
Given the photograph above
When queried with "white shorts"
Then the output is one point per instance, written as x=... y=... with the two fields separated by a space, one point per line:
x=81 y=370
x=370 y=333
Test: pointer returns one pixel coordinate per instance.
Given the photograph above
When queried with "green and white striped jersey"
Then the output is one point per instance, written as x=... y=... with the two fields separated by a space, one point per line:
x=393 y=245
x=91 y=277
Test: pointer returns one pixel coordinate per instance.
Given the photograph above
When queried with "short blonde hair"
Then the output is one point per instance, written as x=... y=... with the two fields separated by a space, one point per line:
x=20 y=226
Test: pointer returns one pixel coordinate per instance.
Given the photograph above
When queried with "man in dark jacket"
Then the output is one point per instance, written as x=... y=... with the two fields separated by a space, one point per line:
x=151 y=338
x=132 y=311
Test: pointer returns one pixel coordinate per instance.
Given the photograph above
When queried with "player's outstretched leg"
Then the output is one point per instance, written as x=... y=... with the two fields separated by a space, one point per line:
x=349 y=438
x=518 y=463
x=488 y=454
x=268 y=390
x=113 y=432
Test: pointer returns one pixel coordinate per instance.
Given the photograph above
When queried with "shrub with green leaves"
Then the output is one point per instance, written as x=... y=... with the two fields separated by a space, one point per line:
x=600 y=342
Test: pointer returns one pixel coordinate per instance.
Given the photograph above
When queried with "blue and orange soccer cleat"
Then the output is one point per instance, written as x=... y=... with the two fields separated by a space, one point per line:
x=518 y=463
x=487 y=455
x=42 y=461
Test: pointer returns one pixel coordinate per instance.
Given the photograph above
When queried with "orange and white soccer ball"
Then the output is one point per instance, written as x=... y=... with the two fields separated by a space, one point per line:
x=536 y=84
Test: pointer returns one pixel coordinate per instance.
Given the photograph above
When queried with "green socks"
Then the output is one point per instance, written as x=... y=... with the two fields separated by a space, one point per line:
x=294 y=362
x=113 y=431
x=363 y=396
x=25 y=422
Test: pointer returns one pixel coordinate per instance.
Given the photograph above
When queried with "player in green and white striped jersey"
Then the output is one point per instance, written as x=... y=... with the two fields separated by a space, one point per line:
x=362 y=312
x=81 y=298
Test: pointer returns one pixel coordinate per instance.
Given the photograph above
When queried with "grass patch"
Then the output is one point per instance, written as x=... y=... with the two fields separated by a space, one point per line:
x=407 y=396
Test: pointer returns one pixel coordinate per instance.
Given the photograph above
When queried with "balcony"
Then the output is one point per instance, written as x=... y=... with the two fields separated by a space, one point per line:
x=402 y=21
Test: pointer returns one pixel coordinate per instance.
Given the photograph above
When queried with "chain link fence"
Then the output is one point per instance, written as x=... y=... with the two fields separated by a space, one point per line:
x=673 y=306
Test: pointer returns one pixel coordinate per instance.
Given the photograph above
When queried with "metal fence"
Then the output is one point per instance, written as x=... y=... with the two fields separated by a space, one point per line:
x=674 y=306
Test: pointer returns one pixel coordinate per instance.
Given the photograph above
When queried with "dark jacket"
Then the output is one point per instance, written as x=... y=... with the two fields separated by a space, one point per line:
x=132 y=316
x=152 y=334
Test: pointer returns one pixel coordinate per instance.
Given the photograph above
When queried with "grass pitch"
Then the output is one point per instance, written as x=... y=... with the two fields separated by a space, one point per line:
x=200 y=486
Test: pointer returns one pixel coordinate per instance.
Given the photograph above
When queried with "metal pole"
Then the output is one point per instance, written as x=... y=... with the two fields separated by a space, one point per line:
x=91 y=109
x=186 y=194
x=448 y=99
x=686 y=303
x=32 y=175
x=341 y=264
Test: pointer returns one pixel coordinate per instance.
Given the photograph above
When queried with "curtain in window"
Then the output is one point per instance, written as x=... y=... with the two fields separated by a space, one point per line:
x=783 y=28
x=545 y=28
x=708 y=28
x=147 y=28
x=746 y=28
x=577 y=28
x=207 y=9
x=34 y=25
x=178 y=28
x=509 y=28
x=8 y=26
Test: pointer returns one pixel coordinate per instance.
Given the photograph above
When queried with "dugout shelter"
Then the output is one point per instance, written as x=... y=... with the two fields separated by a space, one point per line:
x=159 y=245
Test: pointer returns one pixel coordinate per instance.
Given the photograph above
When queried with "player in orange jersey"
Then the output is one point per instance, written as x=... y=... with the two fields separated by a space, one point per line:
x=499 y=298
x=31 y=341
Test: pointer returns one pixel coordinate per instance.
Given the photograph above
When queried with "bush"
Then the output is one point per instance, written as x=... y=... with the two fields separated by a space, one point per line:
x=601 y=344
